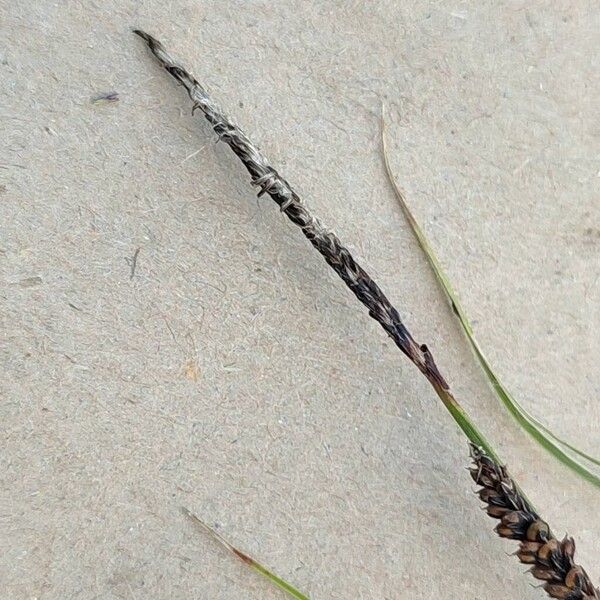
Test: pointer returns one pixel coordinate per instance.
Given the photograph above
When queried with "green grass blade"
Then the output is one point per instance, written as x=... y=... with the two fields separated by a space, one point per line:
x=248 y=560
x=564 y=442
x=544 y=436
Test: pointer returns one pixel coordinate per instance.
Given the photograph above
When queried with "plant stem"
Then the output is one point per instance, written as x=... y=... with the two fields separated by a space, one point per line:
x=337 y=256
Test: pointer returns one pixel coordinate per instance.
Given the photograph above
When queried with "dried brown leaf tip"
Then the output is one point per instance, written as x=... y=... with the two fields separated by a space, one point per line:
x=551 y=560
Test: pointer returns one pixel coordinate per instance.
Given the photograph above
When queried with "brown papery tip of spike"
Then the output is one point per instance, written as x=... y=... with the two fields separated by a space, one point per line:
x=145 y=36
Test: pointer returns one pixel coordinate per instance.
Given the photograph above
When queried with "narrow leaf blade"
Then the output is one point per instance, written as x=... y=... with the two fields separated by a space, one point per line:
x=248 y=560
x=544 y=436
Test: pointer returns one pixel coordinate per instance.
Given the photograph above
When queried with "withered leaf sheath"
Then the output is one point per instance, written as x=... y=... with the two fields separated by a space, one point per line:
x=491 y=476
x=551 y=560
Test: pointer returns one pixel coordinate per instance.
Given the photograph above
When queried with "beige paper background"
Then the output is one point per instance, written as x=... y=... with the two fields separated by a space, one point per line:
x=234 y=374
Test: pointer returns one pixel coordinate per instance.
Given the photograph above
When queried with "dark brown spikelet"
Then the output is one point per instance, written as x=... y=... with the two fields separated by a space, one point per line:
x=551 y=560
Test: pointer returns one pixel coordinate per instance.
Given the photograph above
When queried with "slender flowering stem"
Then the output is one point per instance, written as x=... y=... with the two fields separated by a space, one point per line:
x=327 y=243
x=339 y=258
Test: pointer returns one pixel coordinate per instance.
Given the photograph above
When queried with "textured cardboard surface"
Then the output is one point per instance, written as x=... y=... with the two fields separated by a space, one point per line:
x=233 y=373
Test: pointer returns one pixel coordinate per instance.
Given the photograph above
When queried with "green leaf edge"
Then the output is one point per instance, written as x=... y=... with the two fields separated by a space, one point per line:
x=528 y=422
